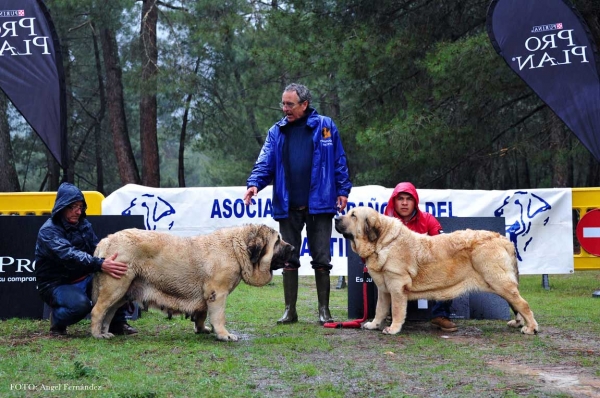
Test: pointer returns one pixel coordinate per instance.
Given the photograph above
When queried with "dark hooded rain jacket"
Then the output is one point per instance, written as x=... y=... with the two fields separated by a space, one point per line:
x=63 y=251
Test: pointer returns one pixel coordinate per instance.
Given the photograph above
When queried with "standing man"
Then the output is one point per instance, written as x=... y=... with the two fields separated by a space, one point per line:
x=404 y=205
x=65 y=265
x=304 y=159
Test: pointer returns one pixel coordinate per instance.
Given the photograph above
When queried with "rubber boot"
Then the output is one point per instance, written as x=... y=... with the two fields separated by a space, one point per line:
x=323 y=289
x=290 y=294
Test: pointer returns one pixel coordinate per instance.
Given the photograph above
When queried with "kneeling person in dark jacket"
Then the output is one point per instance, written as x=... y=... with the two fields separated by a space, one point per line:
x=65 y=264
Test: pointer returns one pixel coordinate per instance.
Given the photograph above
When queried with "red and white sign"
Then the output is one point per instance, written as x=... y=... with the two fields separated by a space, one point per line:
x=588 y=232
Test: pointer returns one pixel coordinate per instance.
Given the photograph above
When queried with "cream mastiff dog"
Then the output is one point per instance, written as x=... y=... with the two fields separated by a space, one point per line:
x=191 y=275
x=406 y=266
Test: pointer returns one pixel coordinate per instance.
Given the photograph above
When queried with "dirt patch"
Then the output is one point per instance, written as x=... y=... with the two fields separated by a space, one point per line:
x=563 y=378
x=573 y=341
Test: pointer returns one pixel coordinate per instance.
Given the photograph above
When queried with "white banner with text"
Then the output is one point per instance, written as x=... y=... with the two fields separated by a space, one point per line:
x=538 y=221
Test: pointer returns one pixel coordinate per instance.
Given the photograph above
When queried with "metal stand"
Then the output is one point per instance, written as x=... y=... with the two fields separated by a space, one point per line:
x=545 y=282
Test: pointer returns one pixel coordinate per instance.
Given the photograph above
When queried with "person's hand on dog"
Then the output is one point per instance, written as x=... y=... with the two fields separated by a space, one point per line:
x=116 y=269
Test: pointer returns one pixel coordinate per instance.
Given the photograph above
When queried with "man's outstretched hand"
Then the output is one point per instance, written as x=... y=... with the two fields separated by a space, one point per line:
x=252 y=191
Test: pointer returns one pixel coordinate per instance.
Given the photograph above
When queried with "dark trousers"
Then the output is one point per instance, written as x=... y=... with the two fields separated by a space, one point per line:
x=441 y=308
x=71 y=303
x=318 y=233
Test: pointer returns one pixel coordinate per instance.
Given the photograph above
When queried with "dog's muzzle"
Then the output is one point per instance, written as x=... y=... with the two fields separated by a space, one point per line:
x=282 y=257
x=341 y=229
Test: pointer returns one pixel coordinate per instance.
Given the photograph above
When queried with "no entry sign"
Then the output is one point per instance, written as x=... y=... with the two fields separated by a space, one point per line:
x=588 y=232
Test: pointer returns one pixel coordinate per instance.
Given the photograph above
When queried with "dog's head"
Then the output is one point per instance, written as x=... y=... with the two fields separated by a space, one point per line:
x=267 y=252
x=362 y=226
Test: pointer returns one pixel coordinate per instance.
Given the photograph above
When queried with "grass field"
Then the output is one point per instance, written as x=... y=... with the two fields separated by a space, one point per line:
x=166 y=359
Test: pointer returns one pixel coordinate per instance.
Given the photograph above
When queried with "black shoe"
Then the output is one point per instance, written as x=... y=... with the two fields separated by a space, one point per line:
x=122 y=329
x=58 y=330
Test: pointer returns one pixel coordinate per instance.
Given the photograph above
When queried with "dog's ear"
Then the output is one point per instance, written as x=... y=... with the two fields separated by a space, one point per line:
x=257 y=245
x=372 y=228
x=255 y=250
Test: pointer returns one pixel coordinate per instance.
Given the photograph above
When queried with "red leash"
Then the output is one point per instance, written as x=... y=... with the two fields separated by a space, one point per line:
x=357 y=323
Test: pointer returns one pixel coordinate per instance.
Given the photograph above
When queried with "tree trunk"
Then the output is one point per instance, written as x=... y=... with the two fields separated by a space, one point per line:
x=593 y=177
x=249 y=110
x=70 y=177
x=100 y=116
x=128 y=170
x=590 y=10
x=524 y=180
x=559 y=151
x=182 y=135
x=148 y=113
x=333 y=99
x=9 y=181
x=53 y=176
x=181 y=165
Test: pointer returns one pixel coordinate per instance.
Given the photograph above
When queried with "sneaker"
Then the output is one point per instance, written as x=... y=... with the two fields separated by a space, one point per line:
x=441 y=322
x=122 y=329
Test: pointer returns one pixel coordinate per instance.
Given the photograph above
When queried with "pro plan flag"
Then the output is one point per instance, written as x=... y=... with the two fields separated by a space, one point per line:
x=547 y=43
x=31 y=71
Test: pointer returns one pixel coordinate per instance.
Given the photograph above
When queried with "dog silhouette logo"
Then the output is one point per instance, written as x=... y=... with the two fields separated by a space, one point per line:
x=520 y=211
x=156 y=211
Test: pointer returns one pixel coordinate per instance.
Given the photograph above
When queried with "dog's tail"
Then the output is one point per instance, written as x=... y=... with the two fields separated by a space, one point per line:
x=95 y=291
x=100 y=251
x=512 y=252
x=101 y=248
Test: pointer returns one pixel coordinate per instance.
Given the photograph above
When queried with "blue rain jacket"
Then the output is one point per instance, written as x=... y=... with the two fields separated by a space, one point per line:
x=329 y=175
x=63 y=251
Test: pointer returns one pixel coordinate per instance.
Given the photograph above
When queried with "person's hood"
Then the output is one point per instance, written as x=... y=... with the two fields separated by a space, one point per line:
x=67 y=193
x=403 y=187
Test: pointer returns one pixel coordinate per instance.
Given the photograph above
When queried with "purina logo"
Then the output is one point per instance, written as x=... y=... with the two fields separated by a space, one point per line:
x=12 y=13
x=545 y=28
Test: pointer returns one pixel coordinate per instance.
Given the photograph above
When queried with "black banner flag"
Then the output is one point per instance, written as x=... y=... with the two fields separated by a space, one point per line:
x=31 y=71
x=548 y=44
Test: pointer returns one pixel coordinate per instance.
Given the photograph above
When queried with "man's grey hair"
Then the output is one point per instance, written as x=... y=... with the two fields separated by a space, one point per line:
x=301 y=90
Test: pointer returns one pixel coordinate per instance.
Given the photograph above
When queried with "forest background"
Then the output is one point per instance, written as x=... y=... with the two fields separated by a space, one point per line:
x=182 y=93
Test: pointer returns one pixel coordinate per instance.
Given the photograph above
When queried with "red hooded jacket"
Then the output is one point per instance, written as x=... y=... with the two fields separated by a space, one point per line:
x=421 y=222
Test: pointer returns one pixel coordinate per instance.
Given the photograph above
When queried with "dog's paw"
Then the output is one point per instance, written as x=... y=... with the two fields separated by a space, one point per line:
x=228 y=337
x=529 y=330
x=104 y=336
x=515 y=323
x=202 y=330
x=370 y=325
x=390 y=330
